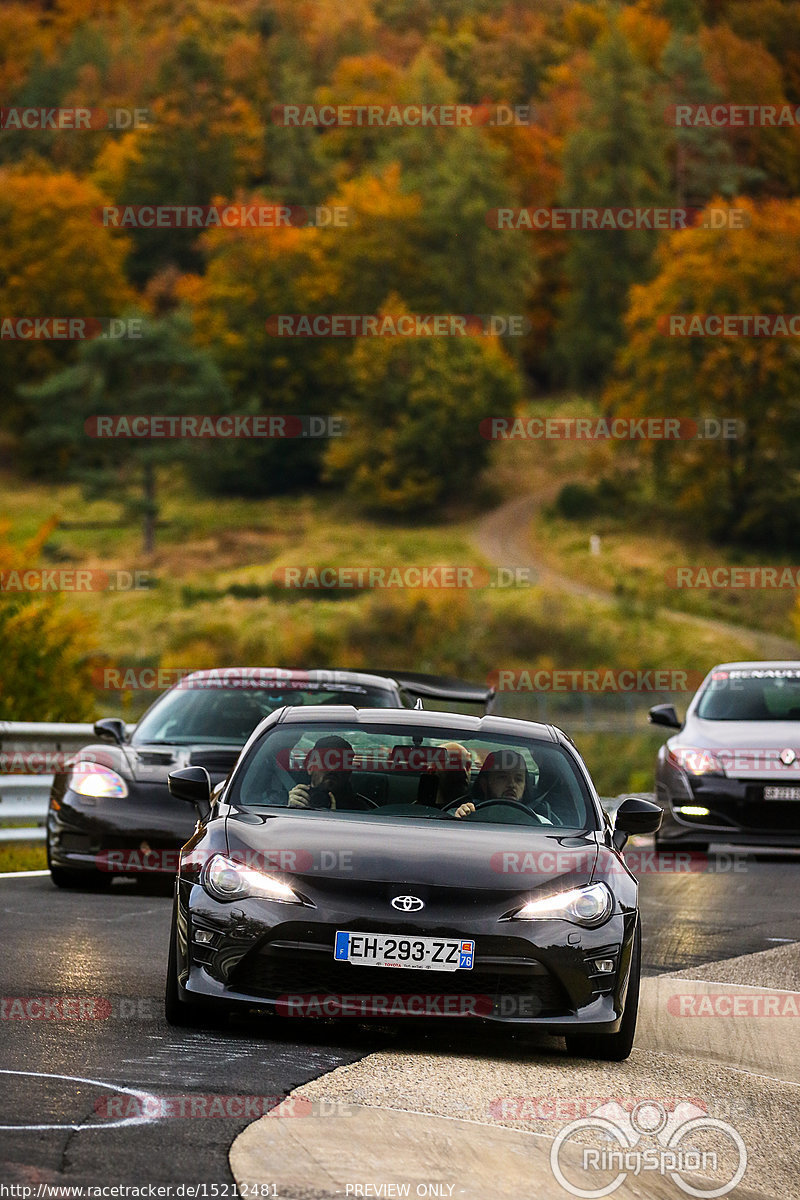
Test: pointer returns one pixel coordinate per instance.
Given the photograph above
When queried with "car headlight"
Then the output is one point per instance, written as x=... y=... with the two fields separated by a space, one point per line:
x=590 y=905
x=90 y=779
x=695 y=761
x=225 y=879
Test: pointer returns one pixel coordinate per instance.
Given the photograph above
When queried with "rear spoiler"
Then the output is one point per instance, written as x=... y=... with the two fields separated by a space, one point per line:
x=441 y=687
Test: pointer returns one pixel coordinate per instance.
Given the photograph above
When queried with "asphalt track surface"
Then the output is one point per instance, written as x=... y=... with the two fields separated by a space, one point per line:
x=61 y=1110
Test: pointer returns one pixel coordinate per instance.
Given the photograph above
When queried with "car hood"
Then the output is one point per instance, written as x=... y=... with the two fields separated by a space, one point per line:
x=738 y=735
x=357 y=849
x=751 y=748
x=152 y=764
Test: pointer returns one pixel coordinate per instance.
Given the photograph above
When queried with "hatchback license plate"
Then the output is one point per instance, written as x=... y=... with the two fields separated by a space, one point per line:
x=395 y=950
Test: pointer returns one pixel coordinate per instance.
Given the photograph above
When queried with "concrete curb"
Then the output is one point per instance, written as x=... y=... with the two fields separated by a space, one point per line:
x=383 y=1143
x=721 y=1022
x=378 y=1152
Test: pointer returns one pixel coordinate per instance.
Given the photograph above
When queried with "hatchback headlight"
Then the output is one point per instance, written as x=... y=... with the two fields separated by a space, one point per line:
x=590 y=905
x=225 y=879
x=91 y=779
x=695 y=760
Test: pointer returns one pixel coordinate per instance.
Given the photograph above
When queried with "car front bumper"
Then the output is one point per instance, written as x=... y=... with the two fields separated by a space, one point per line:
x=279 y=957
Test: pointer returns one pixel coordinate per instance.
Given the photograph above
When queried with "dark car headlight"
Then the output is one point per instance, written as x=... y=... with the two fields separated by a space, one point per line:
x=589 y=905
x=225 y=879
x=96 y=782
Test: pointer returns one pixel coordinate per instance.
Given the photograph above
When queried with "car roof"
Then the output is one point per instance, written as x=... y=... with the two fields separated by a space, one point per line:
x=425 y=718
x=761 y=664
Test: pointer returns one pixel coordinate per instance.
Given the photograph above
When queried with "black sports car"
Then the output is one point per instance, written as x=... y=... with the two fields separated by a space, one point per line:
x=732 y=773
x=386 y=863
x=111 y=812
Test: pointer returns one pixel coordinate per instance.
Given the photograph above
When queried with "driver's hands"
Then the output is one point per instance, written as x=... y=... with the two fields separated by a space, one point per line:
x=463 y=810
x=299 y=796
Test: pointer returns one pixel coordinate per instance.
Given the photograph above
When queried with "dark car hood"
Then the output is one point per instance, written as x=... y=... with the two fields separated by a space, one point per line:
x=436 y=854
x=152 y=764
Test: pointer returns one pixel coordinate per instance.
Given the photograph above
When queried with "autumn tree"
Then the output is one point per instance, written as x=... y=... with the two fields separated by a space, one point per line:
x=45 y=668
x=413 y=440
x=159 y=373
x=616 y=157
x=202 y=141
x=743 y=488
x=55 y=261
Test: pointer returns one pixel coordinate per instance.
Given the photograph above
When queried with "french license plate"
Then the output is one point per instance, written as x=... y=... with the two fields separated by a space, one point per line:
x=782 y=793
x=394 y=950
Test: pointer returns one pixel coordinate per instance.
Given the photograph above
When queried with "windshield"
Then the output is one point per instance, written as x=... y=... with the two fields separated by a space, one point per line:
x=407 y=772
x=766 y=694
x=228 y=715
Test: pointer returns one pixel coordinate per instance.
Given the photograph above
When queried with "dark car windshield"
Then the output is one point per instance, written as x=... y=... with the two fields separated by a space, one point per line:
x=228 y=715
x=403 y=771
x=769 y=694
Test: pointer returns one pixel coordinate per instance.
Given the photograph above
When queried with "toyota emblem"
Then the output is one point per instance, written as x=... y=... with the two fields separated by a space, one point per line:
x=408 y=903
x=787 y=757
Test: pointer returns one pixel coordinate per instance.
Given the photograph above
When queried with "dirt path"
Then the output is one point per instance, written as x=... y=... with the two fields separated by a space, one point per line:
x=503 y=538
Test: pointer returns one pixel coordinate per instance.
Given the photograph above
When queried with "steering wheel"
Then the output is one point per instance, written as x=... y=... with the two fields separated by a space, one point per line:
x=485 y=804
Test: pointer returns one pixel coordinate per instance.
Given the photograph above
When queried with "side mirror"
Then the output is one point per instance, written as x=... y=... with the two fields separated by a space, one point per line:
x=111 y=729
x=664 y=714
x=635 y=815
x=192 y=784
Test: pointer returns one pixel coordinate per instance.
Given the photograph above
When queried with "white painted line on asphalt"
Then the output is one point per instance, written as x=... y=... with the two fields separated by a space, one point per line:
x=144 y=1099
x=21 y=874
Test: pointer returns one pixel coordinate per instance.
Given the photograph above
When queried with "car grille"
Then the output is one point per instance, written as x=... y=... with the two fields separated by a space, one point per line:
x=271 y=975
x=765 y=815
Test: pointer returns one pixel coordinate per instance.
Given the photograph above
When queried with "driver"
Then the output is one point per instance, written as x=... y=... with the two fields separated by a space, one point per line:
x=329 y=765
x=503 y=776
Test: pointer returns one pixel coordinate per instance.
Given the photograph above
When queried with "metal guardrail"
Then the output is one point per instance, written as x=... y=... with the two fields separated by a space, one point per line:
x=25 y=796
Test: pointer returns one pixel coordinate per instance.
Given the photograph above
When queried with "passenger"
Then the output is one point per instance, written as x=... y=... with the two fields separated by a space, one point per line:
x=450 y=782
x=330 y=785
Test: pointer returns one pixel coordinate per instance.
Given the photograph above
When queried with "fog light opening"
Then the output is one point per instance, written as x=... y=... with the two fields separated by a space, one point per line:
x=604 y=966
x=204 y=937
